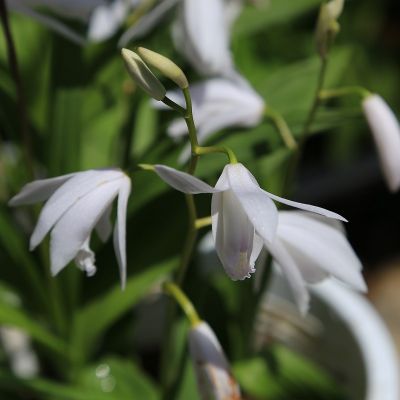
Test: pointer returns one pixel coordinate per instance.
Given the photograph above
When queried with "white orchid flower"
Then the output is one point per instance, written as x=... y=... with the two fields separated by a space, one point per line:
x=308 y=249
x=217 y=104
x=78 y=203
x=202 y=34
x=213 y=373
x=102 y=18
x=244 y=216
x=386 y=132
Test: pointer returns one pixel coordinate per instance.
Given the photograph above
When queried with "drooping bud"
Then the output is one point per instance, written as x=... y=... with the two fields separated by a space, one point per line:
x=142 y=75
x=167 y=67
x=385 y=129
x=327 y=25
x=214 y=378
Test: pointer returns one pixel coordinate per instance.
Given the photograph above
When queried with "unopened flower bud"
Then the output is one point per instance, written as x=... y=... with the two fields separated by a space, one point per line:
x=142 y=75
x=167 y=67
x=327 y=25
x=386 y=132
x=214 y=378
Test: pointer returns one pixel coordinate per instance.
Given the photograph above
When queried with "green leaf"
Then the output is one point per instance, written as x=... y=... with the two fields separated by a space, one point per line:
x=92 y=320
x=146 y=127
x=50 y=390
x=14 y=243
x=66 y=131
x=268 y=13
x=14 y=316
x=285 y=375
x=121 y=378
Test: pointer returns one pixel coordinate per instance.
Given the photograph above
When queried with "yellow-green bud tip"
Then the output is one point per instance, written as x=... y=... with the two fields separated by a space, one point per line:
x=167 y=67
x=142 y=75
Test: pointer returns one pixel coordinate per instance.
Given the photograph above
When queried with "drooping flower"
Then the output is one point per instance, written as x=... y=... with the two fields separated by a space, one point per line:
x=217 y=104
x=308 y=249
x=202 y=34
x=244 y=216
x=214 y=377
x=386 y=132
x=76 y=204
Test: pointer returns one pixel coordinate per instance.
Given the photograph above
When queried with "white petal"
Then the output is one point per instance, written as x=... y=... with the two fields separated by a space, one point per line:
x=182 y=181
x=259 y=208
x=307 y=207
x=238 y=116
x=75 y=226
x=291 y=273
x=206 y=42
x=315 y=246
x=147 y=22
x=106 y=19
x=120 y=229
x=258 y=245
x=39 y=190
x=104 y=226
x=66 y=195
x=236 y=235
x=386 y=132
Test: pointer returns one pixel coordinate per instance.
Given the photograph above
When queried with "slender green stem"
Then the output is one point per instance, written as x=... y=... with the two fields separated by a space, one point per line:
x=180 y=297
x=327 y=94
x=282 y=127
x=21 y=102
x=187 y=114
x=201 y=150
x=203 y=222
x=170 y=103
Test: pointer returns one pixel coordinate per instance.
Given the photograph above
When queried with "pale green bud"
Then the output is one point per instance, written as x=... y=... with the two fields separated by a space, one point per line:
x=142 y=75
x=167 y=67
x=327 y=25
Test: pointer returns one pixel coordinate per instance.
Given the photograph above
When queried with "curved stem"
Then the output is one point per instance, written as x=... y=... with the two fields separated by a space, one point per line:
x=282 y=127
x=344 y=91
x=180 y=297
x=201 y=150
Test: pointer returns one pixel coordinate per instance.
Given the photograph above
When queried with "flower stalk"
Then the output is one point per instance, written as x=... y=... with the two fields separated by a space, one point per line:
x=180 y=297
x=327 y=94
x=282 y=127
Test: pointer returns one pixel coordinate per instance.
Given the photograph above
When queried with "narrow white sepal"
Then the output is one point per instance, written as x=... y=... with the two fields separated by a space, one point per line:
x=38 y=190
x=120 y=229
x=307 y=207
x=182 y=181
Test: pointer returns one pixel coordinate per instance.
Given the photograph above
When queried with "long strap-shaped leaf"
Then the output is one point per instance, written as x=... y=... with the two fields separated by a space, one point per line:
x=91 y=321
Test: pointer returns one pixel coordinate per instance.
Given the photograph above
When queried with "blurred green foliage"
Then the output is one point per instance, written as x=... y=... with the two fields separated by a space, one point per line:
x=85 y=113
